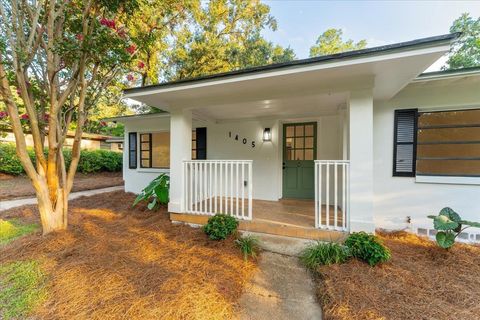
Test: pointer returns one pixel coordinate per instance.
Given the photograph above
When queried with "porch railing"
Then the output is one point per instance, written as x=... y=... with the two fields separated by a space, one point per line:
x=218 y=186
x=332 y=196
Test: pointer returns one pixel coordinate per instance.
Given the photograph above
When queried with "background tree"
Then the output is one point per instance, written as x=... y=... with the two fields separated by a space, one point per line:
x=465 y=51
x=220 y=36
x=60 y=56
x=331 y=41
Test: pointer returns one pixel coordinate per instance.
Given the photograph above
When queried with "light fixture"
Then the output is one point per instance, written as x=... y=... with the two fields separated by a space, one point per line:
x=267 y=134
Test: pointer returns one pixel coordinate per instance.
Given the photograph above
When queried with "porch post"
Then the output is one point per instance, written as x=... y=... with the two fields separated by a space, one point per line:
x=360 y=114
x=180 y=149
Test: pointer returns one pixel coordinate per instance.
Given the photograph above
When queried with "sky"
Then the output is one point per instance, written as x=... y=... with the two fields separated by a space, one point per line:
x=379 y=22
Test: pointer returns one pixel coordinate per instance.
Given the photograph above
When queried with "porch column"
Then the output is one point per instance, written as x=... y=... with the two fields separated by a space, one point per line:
x=360 y=114
x=180 y=149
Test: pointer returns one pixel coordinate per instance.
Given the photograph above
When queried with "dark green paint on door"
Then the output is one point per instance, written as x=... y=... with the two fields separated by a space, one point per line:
x=299 y=153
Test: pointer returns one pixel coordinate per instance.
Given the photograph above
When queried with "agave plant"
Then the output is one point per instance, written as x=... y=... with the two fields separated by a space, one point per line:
x=449 y=225
x=156 y=193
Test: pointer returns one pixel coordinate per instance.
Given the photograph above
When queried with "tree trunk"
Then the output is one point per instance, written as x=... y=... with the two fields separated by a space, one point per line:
x=53 y=217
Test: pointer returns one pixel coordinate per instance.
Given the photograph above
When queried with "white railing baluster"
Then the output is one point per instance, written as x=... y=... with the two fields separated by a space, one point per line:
x=250 y=189
x=340 y=188
x=243 y=190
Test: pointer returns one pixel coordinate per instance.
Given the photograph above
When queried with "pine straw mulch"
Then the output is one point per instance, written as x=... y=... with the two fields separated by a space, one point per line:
x=422 y=281
x=115 y=262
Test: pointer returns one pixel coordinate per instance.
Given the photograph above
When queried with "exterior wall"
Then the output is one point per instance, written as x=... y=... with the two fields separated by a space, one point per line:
x=266 y=156
x=395 y=198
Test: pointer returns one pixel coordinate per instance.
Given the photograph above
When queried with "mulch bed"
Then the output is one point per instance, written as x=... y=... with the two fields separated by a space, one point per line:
x=422 y=281
x=17 y=187
x=119 y=262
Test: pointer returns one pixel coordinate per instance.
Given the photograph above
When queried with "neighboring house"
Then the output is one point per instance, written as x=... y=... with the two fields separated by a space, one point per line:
x=365 y=135
x=89 y=141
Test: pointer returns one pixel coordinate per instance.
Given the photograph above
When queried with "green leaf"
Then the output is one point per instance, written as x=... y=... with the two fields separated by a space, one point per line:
x=470 y=223
x=152 y=204
x=442 y=222
x=445 y=239
x=451 y=214
x=139 y=198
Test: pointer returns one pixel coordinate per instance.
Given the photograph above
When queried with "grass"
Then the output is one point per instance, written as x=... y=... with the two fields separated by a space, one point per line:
x=13 y=229
x=22 y=289
x=322 y=253
x=249 y=246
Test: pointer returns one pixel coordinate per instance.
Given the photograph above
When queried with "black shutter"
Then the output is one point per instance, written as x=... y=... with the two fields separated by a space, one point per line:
x=201 y=143
x=405 y=142
x=132 y=150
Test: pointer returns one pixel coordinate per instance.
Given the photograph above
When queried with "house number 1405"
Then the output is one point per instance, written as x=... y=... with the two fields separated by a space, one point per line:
x=244 y=140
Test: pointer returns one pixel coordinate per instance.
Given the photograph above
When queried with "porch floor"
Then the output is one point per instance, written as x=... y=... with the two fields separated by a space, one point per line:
x=292 y=212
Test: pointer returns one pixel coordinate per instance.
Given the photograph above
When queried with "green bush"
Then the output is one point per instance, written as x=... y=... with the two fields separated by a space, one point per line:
x=368 y=248
x=249 y=245
x=324 y=253
x=220 y=226
x=90 y=160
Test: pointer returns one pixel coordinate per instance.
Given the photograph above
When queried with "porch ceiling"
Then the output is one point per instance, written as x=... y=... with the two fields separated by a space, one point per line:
x=384 y=71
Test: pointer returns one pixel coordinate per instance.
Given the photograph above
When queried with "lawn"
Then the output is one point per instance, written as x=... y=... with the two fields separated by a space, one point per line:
x=12 y=187
x=119 y=262
x=422 y=281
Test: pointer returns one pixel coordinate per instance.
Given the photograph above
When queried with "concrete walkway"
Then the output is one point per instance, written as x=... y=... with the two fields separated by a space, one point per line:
x=281 y=289
x=5 y=205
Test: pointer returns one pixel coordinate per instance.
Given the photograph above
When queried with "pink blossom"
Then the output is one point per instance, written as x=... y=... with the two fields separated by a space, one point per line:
x=130 y=77
x=46 y=117
x=3 y=114
x=24 y=116
x=140 y=65
x=103 y=123
x=131 y=49
x=108 y=23
x=79 y=37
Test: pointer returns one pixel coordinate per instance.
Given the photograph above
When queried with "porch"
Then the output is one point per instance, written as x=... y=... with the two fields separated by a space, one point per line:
x=225 y=186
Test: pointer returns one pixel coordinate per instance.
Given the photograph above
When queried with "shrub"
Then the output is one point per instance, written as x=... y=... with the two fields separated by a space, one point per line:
x=249 y=245
x=90 y=160
x=157 y=192
x=449 y=225
x=368 y=248
x=322 y=253
x=220 y=226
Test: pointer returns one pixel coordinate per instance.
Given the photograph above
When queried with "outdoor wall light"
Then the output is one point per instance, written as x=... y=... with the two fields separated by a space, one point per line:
x=267 y=134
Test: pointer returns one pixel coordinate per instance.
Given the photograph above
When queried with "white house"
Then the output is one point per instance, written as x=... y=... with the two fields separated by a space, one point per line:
x=316 y=147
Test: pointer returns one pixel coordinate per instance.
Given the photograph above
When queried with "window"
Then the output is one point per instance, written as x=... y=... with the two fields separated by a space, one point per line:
x=199 y=144
x=404 y=144
x=449 y=143
x=300 y=141
x=155 y=150
x=132 y=150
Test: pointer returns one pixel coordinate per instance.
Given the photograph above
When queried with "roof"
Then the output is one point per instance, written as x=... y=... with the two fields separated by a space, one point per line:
x=302 y=62
x=448 y=73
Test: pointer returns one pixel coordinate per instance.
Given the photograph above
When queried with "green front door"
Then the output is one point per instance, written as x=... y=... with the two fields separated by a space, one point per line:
x=299 y=153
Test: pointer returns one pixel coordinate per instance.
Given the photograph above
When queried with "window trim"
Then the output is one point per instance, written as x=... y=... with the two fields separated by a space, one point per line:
x=135 y=147
x=395 y=173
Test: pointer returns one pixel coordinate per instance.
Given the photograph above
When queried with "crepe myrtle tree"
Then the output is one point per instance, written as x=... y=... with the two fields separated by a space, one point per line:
x=56 y=59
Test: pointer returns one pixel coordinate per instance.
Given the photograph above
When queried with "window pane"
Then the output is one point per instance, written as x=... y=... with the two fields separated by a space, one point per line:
x=298 y=131
x=194 y=135
x=161 y=150
x=309 y=142
x=145 y=163
x=299 y=154
x=194 y=155
x=144 y=137
x=290 y=132
x=290 y=154
x=194 y=144
x=145 y=154
x=289 y=143
x=309 y=154
x=298 y=143
x=309 y=130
